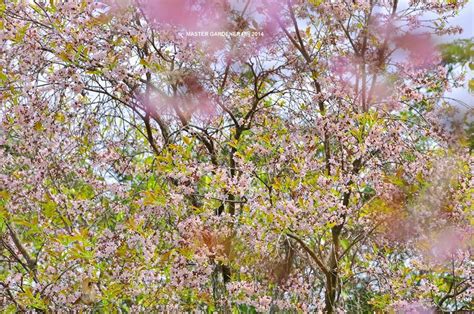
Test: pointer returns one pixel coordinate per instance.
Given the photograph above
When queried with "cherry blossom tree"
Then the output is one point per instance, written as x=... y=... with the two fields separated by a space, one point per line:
x=305 y=160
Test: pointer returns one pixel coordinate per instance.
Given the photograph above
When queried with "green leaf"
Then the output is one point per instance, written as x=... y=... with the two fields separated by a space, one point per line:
x=3 y=76
x=21 y=33
x=344 y=244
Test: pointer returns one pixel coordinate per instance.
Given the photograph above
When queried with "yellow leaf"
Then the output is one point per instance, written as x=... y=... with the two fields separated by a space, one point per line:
x=38 y=126
x=4 y=195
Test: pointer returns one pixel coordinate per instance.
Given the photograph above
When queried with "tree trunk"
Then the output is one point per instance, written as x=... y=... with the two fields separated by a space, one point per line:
x=332 y=278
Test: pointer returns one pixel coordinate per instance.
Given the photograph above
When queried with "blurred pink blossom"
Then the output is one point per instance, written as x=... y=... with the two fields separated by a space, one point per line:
x=421 y=48
x=342 y=65
x=190 y=15
x=191 y=99
x=413 y=308
x=205 y=18
x=448 y=242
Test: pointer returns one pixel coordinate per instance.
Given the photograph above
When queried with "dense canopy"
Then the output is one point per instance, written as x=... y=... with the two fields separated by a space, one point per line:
x=233 y=156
